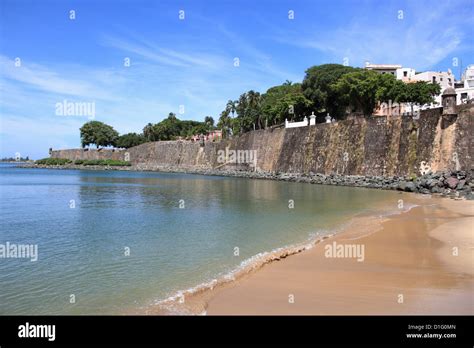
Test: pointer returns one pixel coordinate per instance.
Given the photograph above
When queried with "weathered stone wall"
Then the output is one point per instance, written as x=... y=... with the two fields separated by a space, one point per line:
x=88 y=154
x=357 y=146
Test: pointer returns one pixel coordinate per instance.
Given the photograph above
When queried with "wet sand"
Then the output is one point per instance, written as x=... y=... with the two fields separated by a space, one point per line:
x=418 y=262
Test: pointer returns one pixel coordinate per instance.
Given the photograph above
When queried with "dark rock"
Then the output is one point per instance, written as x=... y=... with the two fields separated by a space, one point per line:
x=470 y=196
x=430 y=183
x=410 y=187
x=407 y=186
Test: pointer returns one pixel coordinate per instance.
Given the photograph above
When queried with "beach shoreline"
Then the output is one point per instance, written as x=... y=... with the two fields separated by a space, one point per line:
x=408 y=268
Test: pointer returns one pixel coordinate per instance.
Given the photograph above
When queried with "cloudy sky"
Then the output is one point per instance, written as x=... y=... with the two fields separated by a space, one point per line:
x=46 y=57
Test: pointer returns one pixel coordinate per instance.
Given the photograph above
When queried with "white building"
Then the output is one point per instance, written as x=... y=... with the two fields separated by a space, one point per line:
x=444 y=79
x=405 y=74
x=467 y=91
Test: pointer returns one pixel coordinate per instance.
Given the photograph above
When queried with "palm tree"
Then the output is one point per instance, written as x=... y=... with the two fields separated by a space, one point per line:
x=231 y=106
x=224 y=123
x=209 y=121
x=254 y=101
x=148 y=132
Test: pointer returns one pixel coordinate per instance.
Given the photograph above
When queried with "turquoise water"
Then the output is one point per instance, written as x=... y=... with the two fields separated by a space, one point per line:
x=82 y=249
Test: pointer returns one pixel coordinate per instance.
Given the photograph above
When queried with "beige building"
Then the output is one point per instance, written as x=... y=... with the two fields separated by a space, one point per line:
x=443 y=78
x=383 y=68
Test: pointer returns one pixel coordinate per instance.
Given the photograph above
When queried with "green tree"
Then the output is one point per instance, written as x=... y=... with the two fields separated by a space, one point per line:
x=129 y=140
x=284 y=101
x=231 y=107
x=148 y=132
x=209 y=121
x=420 y=93
x=317 y=87
x=98 y=133
x=171 y=128
x=225 y=123
x=248 y=109
x=360 y=90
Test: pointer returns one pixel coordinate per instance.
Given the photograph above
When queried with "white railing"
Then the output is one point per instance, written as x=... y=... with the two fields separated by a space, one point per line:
x=304 y=123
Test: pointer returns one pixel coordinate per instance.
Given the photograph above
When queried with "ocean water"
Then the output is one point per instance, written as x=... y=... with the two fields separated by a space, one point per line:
x=180 y=230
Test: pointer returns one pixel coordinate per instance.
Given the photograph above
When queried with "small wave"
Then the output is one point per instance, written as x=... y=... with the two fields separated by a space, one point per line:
x=176 y=303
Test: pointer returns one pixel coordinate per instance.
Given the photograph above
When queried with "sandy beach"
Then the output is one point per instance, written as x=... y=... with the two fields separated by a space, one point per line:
x=417 y=262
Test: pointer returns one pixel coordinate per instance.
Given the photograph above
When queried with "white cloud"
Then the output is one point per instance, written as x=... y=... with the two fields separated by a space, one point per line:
x=73 y=81
x=426 y=36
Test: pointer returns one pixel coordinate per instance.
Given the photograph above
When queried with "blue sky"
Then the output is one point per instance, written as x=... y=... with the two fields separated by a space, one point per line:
x=190 y=62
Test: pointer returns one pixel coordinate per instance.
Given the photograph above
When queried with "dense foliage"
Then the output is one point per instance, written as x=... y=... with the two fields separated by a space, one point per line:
x=107 y=162
x=98 y=133
x=171 y=128
x=130 y=140
x=362 y=90
x=53 y=161
x=318 y=84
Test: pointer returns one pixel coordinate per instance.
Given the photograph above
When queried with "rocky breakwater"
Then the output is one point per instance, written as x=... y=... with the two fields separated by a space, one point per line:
x=456 y=183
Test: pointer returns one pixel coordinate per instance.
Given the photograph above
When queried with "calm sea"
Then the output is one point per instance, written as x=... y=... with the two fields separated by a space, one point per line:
x=110 y=241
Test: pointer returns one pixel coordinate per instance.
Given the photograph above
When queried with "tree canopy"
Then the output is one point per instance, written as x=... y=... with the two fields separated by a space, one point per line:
x=363 y=89
x=285 y=101
x=129 y=140
x=420 y=92
x=255 y=111
x=318 y=84
x=171 y=128
x=98 y=133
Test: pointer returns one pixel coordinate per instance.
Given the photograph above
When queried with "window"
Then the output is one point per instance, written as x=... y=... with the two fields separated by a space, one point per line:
x=463 y=95
x=393 y=73
x=441 y=79
x=434 y=79
x=405 y=73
